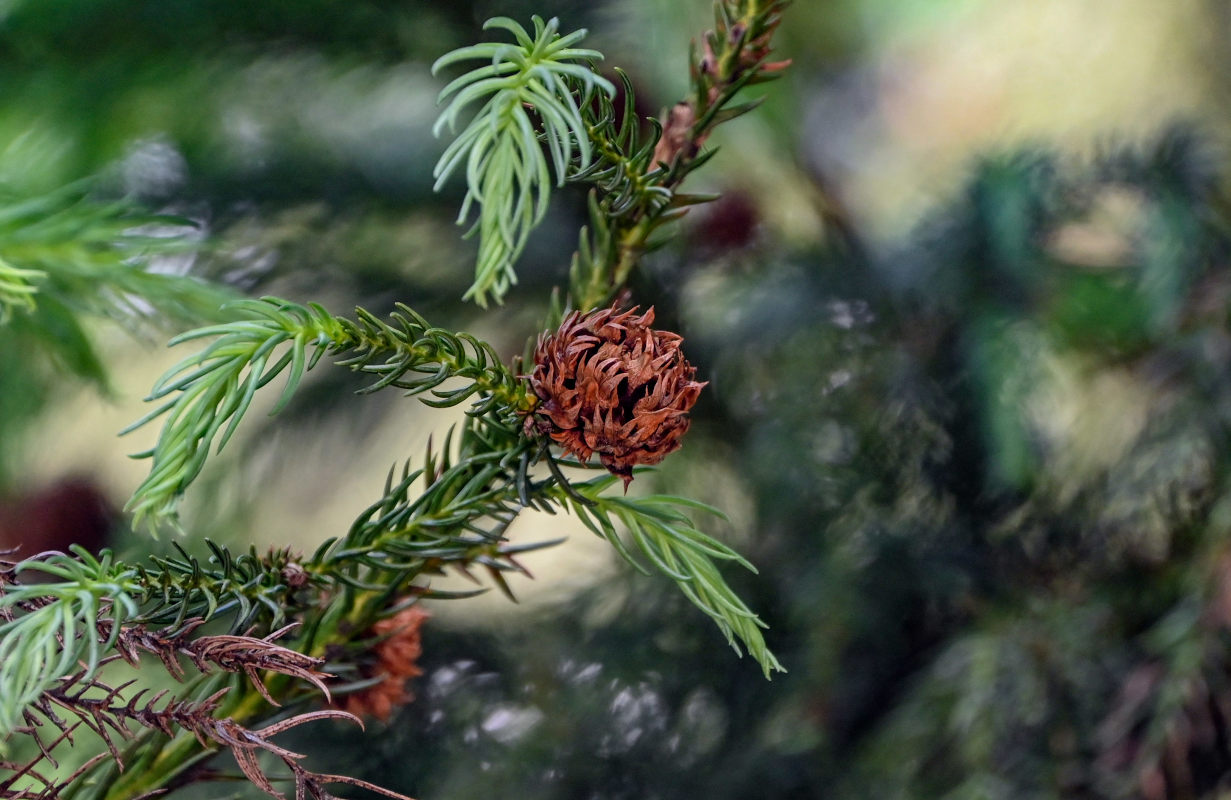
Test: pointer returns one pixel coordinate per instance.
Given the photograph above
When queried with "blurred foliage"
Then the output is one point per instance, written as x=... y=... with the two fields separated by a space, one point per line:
x=986 y=462
x=997 y=529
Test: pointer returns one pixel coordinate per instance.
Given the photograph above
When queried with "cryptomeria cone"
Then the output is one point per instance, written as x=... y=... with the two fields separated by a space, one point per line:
x=610 y=384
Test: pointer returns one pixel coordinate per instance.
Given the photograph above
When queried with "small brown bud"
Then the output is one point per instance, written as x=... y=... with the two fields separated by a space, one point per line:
x=610 y=384
x=709 y=62
x=676 y=132
x=294 y=575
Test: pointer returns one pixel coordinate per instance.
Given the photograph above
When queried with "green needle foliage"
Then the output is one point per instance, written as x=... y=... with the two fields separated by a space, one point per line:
x=66 y=256
x=637 y=178
x=48 y=627
x=17 y=289
x=249 y=588
x=94 y=256
x=210 y=391
x=675 y=548
x=535 y=91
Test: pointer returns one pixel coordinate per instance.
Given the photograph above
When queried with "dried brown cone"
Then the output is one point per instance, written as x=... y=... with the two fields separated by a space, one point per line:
x=396 y=660
x=610 y=384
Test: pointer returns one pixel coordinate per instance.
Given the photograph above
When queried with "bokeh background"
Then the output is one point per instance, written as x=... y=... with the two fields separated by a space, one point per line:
x=963 y=308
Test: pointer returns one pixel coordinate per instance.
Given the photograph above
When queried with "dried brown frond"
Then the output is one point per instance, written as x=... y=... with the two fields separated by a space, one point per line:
x=608 y=383
x=115 y=718
x=37 y=785
x=395 y=661
x=85 y=700
x=246 y=745
x=246 y=654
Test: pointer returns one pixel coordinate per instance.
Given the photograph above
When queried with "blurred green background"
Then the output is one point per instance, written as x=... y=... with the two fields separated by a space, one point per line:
x=963 y=309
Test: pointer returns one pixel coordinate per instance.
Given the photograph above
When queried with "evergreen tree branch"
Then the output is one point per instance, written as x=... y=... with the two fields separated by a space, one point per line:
x=404 y=536
x=207 y=394
x=17 y=289
x=638 y=181
x=65 y=256
x=258 y=590
x=675 y=548
x=94 y=257
x=47 y=628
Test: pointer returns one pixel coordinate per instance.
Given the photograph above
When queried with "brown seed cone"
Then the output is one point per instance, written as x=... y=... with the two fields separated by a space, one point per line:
x=610 y=384
x=397 y=660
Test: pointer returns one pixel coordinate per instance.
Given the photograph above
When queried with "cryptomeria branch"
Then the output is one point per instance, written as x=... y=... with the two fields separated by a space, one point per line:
x=210 y=391
x=46 y=629
x=17 y=289
x=667 y=537
x=93 y=257
x=402 y=536
x=638 y=184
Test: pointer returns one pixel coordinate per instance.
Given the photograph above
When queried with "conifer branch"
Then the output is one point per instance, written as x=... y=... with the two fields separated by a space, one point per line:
x=258 y=590
x=675 y=548
x=65 y=256
x=404 y=536
x=45 y=629
x=638 y=181
x=207 y=394
x=93 y=257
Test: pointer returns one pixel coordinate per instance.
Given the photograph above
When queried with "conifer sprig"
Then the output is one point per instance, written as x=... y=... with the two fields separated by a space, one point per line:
x=638 y=178
x=253 y=589
x=664 y=533
x=211 y=390
x=207 y=394
x=66 y=255
x=537 y=86
x=472 y=496
x=457 y=518
x=46 y=628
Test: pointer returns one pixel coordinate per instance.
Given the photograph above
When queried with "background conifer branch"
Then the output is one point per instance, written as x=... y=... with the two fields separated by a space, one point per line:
x=94 y=256
x=17 y=289
x=66 y=254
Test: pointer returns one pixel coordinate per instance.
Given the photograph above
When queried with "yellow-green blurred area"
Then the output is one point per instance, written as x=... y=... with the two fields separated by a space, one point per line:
x=962 y=308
